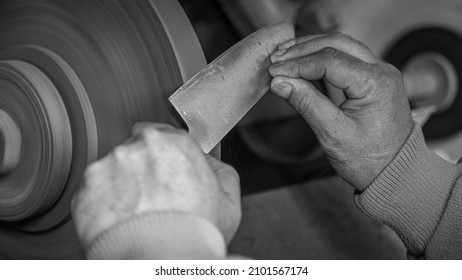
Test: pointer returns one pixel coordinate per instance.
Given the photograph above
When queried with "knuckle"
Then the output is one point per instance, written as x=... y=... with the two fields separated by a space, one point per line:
x=367 y=49
x=389 y=74
x=302 y=103
x=330 y=57
x=372 y=82
x=340 y=36
x=93 y=168
x=385 y=81
x=137 y=126
x=231 y=171
x=185 y=139
x=147 y=132
x=294 y=67
x=91 y=173
x=394 y=72
x=337 y=35
x=180 y=138
x=297 y=50
x=142 y=129
x=329 y=52
x=120 y=152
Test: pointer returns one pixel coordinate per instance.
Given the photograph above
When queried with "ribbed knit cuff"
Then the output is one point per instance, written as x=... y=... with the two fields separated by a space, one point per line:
x=160 y=235
x=411 y=193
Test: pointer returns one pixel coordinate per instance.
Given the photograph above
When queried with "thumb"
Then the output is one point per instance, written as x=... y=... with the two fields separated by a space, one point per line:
x=227 y=176
x=318 y=111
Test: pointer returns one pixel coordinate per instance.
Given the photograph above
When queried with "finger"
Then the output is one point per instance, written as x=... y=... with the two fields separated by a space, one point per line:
x=140 y=127
x=337 y=40
x=147 y=128
x=216 y=151
x=320 y=113
x=339 y=69
x=214 y=163
x=147 y=134
x=292 y=42
x=226 y=175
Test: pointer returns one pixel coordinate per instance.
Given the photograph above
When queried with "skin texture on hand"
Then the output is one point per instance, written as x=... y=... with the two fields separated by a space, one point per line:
x=363 y=134
x=159 y=169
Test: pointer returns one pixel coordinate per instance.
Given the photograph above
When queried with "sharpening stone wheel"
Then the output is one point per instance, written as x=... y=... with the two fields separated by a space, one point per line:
x=75 y=75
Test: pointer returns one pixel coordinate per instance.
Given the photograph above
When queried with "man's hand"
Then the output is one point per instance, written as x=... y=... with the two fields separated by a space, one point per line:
x=365 y=132
x=158 y=169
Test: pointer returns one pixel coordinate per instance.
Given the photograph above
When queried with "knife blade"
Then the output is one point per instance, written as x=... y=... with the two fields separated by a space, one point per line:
x=213 y=101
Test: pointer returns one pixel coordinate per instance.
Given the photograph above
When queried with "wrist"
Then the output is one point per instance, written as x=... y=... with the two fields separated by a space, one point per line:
x=410 y=194
x=160 y=235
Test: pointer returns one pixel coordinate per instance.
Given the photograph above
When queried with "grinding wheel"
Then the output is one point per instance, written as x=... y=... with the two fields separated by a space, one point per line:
x=74 y=77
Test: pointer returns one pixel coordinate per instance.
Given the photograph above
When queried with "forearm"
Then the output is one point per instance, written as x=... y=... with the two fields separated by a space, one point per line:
x=411 y=195
x=160 y=235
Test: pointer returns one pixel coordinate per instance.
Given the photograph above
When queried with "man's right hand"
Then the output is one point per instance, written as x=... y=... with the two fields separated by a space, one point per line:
x=159 y=169
x=364 y=133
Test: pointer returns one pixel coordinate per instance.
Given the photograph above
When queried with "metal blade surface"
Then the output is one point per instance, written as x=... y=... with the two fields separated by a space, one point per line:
x=215 y=99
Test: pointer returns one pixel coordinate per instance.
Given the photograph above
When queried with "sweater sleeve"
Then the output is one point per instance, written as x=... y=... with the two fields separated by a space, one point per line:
x=160 y=235
x=419 y=195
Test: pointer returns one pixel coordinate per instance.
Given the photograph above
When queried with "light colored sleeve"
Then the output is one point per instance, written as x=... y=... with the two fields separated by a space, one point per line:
x=160 y=235
x=419 y=195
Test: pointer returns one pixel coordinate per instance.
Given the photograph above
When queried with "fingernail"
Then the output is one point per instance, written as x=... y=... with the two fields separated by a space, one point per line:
x=276 y=56
x=274 y=59
x=286 y=45
x=277 y=64
x=273 y=67
x=279 y=52
x=283 y=88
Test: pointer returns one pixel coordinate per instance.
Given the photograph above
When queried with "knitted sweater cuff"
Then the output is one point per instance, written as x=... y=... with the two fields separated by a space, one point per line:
x=411 y=193
x=160 y=235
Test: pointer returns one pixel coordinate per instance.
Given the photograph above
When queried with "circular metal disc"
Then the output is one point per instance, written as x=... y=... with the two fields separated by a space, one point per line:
x=44 y=138
x=114 y=63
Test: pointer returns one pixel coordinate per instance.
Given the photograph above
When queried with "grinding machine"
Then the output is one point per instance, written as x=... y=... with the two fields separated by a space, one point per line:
x=75 y=75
